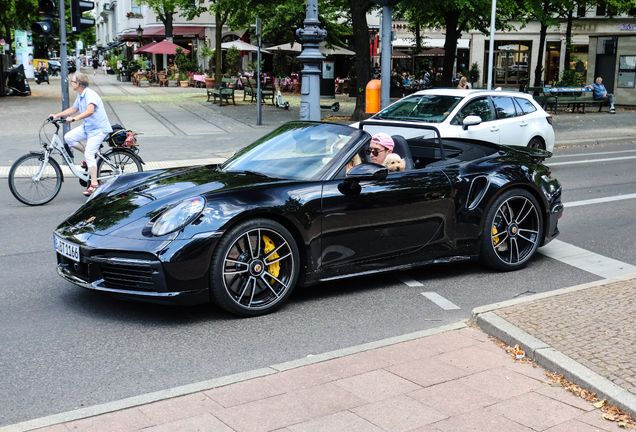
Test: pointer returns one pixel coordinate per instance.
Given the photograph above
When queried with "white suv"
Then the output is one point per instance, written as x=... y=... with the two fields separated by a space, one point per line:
x=509 y=118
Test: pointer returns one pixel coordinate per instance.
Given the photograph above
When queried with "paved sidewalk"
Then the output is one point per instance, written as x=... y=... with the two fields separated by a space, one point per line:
x=453 y=378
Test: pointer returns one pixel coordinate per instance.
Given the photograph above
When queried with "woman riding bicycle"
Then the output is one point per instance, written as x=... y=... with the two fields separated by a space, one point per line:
x=94 y=129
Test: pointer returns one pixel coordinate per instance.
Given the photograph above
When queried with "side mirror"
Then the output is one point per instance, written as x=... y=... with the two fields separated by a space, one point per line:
x=471 y=120
x=366 y=171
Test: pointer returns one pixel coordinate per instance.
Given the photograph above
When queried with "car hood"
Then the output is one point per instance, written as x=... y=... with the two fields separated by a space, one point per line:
x=142 y=200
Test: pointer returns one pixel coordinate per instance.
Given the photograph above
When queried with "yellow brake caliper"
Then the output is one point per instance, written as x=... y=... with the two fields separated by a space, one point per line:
x=273 y=269
x=495 y=240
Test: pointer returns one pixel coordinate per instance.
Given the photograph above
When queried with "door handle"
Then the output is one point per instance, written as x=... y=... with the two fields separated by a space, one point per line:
x=494 y=129
x=523 y=124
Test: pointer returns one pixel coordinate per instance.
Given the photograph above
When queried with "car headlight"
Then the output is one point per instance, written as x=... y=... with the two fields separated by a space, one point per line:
x=101 y=188
x=178 y=216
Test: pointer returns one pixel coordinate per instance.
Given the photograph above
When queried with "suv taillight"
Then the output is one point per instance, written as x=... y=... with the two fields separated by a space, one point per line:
x=549 y=119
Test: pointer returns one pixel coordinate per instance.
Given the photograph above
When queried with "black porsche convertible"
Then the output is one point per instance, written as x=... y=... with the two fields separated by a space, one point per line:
x=303 y=205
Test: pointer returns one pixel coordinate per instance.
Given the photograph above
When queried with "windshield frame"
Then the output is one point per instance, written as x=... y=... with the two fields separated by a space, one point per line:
x=251 y=152
x=385 y=114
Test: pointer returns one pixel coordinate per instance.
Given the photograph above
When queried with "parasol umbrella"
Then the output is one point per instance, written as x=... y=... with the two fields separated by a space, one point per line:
x=165 y=47
x=297 y=49
x=143 y=49
x=241 y=46
x=399 y=54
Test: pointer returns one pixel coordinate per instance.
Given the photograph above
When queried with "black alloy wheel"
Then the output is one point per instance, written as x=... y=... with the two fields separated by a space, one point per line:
x=512 y=231
x=254 y=268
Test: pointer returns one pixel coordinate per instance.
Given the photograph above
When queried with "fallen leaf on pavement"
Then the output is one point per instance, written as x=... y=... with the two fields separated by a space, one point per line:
x=599 y=403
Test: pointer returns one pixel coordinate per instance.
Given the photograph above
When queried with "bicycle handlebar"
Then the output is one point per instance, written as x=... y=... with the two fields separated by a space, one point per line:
x=57 y=120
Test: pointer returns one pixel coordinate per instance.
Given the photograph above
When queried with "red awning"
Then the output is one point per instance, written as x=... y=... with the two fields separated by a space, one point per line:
x=159 y=32
x=165 y=47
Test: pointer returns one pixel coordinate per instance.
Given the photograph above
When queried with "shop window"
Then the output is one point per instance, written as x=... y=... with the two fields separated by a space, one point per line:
x=135 y=8
x=627 y=71
x=600 y=9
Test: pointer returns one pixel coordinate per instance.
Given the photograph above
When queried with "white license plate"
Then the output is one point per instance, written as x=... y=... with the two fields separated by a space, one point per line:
x=69 y=250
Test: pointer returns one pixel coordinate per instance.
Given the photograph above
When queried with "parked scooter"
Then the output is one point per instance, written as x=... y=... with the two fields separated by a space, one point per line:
x=279 y=97
x=41 y=75
x=18 y=83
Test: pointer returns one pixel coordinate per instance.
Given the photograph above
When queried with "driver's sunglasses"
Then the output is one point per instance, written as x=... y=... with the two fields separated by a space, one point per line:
x=374 y=151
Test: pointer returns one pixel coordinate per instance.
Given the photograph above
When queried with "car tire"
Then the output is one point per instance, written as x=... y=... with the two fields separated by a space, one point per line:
x=254 y=268
x=512 y=231
x=536 y=143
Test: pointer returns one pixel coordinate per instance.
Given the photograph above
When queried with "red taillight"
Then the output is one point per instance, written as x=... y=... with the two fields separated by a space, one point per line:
x=549 y=119
x=549 y=172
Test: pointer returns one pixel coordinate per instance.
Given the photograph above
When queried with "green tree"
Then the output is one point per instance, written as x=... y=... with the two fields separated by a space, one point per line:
x=16 y=15
x=457 y=17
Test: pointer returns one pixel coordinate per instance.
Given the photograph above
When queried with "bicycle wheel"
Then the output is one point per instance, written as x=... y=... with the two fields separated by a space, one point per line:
x=31 y=192
x=123 y=159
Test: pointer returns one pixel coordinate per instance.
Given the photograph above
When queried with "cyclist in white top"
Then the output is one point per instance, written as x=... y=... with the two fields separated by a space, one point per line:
x=94 y=129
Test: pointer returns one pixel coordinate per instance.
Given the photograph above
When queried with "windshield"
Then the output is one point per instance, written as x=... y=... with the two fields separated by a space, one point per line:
x=427 y=108
x=294 y=151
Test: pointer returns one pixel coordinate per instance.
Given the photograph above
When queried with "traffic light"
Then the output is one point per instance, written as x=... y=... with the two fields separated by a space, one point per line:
x=44 y=28
x=78 y=22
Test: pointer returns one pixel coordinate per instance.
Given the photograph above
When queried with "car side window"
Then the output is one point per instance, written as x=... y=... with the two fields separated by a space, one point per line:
x=525 y=105
x=504 y=107
x=479 y=107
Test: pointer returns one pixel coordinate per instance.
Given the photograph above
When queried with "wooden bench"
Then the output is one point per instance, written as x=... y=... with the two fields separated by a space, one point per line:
x=249 y=88
x=224 y=90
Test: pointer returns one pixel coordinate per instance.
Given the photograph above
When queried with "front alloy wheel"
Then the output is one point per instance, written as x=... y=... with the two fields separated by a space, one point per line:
x=512 y=232
x=254 y=268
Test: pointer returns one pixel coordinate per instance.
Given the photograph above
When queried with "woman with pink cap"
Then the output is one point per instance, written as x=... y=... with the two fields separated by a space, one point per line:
x=380 y=146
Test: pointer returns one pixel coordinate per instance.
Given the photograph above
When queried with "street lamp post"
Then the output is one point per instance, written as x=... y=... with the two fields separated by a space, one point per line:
x=140 y=33
x=310 y=37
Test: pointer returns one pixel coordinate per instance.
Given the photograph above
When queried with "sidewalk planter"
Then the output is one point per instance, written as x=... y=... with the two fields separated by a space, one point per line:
x=184 y=83
x=124 y=78
x=297 y=87
x=209 y=81
x=144 y=83
x=173 y=83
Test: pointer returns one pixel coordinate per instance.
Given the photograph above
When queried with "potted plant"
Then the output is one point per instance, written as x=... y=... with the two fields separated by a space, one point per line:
x=144 y=82
x=210 y=54
x=184 y=65
x=172 y=81
x=232 y=57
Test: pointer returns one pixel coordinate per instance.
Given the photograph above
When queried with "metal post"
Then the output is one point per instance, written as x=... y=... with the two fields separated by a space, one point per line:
x=491 y=53
x=64 y=64
x=259 y=105
x=385 y=90
x=311 y=36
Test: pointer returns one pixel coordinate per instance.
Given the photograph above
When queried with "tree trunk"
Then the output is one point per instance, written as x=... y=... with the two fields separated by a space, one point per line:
x=451 y=19
x=537 y=69
x=568 y=39
x=218 y=39
x=359 y=10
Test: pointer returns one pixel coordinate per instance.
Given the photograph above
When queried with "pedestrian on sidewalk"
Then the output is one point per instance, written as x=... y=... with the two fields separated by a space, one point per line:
x=600 y=93
x=95 y=126
x=95 y=65
x=104 y=66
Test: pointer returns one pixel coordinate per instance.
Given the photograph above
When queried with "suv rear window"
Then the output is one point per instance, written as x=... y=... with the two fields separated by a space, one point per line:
x=425 y=108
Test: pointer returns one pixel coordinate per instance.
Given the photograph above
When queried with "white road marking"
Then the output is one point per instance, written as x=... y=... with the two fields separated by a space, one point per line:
x=440 y=301
x=600 y=200
x=585 y=260
x=592 y=154
x=590 y=161
x=409 y=281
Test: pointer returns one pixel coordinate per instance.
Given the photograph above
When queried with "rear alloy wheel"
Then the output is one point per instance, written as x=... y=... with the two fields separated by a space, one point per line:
x=512 y=231
x=254 y=268
x=536 y=143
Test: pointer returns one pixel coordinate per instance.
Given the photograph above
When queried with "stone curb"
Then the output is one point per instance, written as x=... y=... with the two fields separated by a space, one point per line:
x=548 y=357
x=132 y=402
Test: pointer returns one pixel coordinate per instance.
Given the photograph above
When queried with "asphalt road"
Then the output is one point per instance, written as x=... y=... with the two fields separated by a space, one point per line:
x=64 y=347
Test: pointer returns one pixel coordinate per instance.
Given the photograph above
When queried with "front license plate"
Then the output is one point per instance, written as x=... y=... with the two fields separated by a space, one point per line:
x=68 y=249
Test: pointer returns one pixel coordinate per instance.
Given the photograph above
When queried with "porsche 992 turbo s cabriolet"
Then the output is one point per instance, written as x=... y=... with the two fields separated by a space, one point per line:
x=304 y=205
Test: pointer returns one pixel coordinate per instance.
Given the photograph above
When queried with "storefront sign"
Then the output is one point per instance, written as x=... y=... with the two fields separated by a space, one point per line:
x=627 y=27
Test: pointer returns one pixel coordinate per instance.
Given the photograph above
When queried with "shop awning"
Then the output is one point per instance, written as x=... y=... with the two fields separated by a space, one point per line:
x=110 y=47
x=433 y=52
x=159 y=32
